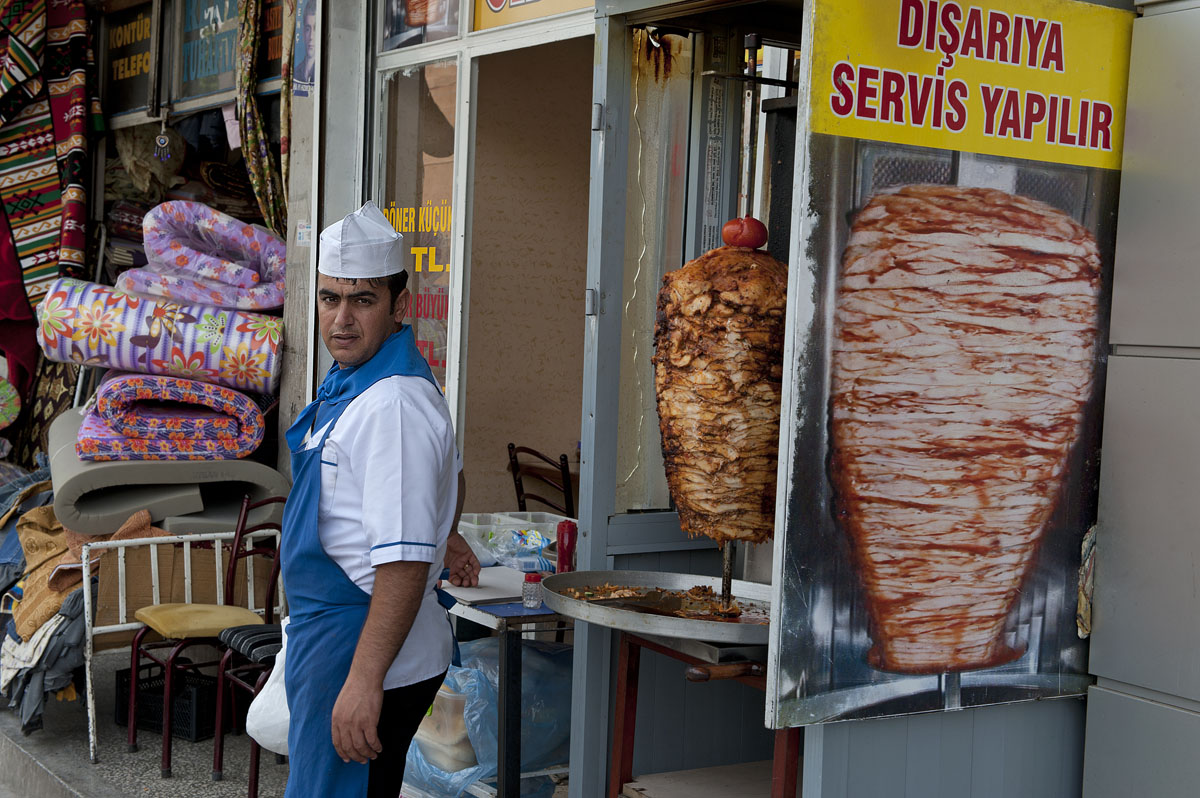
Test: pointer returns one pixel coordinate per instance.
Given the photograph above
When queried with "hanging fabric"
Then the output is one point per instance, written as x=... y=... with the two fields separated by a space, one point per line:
x=53 y=394
x=18 y=326
x=32 y=194
x=74 y=109
x=45 y=109
x=255 y=145
x=285 y=96
x=21 y=40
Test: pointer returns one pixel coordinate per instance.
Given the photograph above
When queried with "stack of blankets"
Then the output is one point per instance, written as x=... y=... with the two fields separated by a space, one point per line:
x=199 y=254
x=191 y=369
x=147 y=417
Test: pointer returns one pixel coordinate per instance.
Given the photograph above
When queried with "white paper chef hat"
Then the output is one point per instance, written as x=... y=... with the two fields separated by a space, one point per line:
x=363 y=245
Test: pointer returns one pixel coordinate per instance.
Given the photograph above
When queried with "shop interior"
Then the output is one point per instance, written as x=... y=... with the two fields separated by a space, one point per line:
x=529 y=217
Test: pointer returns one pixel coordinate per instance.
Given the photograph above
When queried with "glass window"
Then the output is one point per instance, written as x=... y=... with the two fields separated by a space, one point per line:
x=409 y=22
x=657 y=190
x=208 y=48
x=418 y=184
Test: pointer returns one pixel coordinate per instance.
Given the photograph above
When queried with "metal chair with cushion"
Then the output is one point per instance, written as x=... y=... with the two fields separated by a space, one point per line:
x=246 y=665
x=185 y=625
x=534 y=467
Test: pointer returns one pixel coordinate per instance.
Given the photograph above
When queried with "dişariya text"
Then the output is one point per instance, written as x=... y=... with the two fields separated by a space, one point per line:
x=939 y=101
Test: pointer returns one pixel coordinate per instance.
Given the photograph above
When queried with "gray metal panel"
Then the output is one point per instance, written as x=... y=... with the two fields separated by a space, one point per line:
x=601 y=372
x=1139 y=747
x=703 y=563
x=1028 y=750
x=1148 y=548
x=1157 y=236
x=639 y=532
x=683 y=725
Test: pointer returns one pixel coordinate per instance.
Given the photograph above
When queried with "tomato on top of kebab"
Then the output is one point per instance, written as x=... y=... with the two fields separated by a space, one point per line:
x=745 y=232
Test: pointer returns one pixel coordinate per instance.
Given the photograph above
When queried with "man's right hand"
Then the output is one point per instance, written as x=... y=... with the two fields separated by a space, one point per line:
x=355 y=720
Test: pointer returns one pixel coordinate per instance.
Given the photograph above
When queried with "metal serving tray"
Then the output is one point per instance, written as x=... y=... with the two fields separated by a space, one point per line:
x=641 y=623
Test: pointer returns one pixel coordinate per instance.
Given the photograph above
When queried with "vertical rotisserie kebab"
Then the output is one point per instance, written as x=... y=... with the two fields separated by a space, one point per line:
x=965 y=342
x=718 y=366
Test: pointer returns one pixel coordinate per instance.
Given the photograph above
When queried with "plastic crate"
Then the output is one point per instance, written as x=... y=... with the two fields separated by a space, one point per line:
x=546 y=523
x=194 y=707
x=479 y=524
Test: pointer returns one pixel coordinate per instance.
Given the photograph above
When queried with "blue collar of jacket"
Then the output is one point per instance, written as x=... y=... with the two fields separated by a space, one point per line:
x=398 y=356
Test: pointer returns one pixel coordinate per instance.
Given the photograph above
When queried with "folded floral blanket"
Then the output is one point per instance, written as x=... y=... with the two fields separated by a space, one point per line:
x=198 y=254
x=96 y=325
x=139 y=417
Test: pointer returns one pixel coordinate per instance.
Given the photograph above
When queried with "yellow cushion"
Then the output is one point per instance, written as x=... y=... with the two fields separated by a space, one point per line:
x=176 y=621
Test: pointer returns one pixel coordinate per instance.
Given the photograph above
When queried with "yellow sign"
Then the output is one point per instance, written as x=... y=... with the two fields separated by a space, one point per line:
x=426 y=219
x=1038 y=79
x=494 y=13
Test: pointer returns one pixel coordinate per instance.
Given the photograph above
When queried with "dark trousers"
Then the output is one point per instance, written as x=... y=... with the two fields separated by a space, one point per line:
x=403 y=710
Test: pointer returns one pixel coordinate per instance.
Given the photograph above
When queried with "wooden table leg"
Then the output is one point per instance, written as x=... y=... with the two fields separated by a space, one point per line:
x=786 y=763
x=625 y=723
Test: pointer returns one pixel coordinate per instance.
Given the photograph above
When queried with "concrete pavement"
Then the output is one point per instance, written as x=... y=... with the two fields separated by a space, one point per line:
x=53 y=762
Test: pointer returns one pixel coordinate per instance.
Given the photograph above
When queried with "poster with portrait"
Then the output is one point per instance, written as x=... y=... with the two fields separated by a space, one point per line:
x=304 y=51
x=949 y=312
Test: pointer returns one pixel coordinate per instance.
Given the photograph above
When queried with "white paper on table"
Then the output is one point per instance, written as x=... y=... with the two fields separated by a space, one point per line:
x=497 y=584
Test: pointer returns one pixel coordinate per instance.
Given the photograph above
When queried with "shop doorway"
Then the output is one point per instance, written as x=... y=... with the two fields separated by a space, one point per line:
x=528 y=256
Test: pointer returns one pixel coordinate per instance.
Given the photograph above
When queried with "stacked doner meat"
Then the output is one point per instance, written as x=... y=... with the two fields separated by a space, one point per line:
x=717 y=368
x=965 y=340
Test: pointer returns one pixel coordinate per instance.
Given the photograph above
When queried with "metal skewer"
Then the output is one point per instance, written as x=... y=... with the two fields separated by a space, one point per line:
x=749 y=125
x=727 y=574
x=752 y=44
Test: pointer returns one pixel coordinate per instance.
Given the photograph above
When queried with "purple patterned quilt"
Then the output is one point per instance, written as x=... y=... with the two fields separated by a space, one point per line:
x=139 y=417
x=96 y=325
x=198 y=254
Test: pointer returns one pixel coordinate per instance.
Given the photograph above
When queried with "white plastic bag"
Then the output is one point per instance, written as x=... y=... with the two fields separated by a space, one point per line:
x=268 y=717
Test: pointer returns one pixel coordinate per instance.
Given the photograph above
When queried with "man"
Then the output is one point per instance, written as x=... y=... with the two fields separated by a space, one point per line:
x=377 y=489
x=306 y=69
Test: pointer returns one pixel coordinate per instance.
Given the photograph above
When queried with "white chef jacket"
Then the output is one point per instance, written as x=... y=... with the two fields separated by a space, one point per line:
x=389 y=484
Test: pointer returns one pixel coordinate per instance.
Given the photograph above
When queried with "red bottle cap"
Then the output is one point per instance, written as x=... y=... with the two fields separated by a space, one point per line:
x=533 y=577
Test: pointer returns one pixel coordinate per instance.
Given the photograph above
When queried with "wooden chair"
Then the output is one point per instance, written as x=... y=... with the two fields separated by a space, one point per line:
x=185 y=625
x=560 y=481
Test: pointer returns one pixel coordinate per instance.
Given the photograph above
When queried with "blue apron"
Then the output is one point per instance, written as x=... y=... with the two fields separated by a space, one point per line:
x=327 y=609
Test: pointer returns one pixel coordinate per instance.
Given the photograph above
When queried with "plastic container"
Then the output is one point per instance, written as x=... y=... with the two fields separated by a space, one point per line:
x=480 y=524
x=443 y=733
x=477 y=529
x=545 y=523
x=531 y=591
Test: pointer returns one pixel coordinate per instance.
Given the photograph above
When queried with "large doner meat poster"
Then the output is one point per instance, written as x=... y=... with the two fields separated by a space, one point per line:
x=950 y=329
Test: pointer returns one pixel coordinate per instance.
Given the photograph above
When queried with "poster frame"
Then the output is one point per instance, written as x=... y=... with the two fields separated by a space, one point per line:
x=807 y=357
